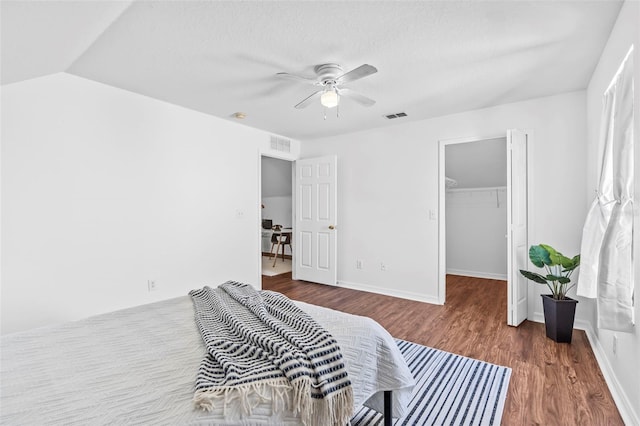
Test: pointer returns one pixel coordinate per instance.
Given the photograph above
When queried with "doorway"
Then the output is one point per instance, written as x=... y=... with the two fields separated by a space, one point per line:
x=476 y=209
x=276 y=216
x=485 y=187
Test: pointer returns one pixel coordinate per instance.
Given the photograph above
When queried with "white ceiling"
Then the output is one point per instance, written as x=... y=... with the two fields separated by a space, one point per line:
x=40 y=38
x=219 y=57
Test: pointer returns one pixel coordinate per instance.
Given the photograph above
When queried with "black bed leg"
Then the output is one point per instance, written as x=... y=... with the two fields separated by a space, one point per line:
x=388 y=408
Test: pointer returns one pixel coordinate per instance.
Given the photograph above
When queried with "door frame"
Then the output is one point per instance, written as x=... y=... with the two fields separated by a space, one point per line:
x=292 y=162
x=442 y=236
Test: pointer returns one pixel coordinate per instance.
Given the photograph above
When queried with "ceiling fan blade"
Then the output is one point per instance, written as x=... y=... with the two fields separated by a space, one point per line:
x=297 y=78
x=355 y=74
x=361 y=99
x=307 y=101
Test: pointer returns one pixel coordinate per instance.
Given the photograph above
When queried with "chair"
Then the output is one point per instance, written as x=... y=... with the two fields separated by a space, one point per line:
x=280 y=240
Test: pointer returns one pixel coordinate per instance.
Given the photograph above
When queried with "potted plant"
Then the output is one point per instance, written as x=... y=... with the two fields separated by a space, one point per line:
x=559 y=310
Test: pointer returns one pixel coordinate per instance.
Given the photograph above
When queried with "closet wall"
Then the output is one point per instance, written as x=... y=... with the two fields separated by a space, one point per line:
x=476 y=209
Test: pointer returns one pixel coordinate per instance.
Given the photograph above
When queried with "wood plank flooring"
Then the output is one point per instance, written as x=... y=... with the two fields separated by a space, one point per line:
x=551 y=383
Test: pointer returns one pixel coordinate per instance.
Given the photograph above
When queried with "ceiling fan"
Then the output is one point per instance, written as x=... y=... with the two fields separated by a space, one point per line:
x=330 y=78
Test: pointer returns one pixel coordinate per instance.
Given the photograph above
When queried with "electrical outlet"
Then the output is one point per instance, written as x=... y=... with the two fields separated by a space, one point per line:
x=359 y=264
x=151 y=285
x=383 y=266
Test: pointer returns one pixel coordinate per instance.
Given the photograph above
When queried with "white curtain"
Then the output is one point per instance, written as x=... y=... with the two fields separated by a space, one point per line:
x=606 y=270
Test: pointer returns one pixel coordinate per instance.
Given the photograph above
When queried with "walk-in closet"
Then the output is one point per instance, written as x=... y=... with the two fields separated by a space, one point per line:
x=476 y=209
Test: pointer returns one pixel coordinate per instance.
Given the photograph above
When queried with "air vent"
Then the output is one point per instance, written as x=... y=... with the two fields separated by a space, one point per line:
x=280 y=144
x=397 y=115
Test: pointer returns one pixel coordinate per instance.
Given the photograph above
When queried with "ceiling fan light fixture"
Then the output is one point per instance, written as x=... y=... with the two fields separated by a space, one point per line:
x=330 y=98
x=329 y=80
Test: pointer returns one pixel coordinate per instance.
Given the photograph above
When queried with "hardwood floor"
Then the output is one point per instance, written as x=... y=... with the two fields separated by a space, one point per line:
x=551 y=383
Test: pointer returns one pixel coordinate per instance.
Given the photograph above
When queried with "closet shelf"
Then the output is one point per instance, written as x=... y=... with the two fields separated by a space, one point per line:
x=482 y=189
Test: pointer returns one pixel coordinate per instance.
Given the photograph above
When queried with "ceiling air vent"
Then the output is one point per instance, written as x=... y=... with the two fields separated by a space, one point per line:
x=398 y=115
x=280 y=144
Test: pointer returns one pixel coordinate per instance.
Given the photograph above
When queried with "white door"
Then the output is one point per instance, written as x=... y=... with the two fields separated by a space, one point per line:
x=517 y=242
x=315 y=223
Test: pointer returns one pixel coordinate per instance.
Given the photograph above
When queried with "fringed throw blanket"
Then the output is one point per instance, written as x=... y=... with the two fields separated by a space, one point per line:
x=260 y=346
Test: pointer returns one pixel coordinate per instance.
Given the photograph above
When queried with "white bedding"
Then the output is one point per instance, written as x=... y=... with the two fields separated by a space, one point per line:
x=138 y=366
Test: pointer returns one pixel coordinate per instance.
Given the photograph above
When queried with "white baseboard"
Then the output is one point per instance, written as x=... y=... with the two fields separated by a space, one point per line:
x=625 y=408
x=539 y=317
x=476 y=274
x=389 y=292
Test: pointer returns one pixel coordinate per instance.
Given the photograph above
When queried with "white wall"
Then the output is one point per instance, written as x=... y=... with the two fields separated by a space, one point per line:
x=620 y=369
x=276 y=191
x=276 y=177
x=388 y=183
x=103 y=189
x=278 y=209
x=476 y=229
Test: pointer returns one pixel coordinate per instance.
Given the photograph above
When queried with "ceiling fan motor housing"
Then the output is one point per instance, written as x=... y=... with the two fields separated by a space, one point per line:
x=328 y=73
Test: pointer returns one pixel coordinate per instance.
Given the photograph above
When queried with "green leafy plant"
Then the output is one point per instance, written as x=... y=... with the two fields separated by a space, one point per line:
x=558 y=267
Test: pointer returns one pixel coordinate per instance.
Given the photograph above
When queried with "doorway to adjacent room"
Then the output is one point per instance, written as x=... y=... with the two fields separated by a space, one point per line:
x=277 y=216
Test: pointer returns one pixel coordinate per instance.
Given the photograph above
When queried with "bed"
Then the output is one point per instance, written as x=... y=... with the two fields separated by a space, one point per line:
x=138 y=366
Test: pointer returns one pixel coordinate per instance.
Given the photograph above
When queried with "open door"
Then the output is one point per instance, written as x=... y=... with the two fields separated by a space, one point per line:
x=517 y=224
x=315 y=242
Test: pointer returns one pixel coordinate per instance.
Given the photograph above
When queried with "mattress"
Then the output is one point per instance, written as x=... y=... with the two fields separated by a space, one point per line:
x=138 y=366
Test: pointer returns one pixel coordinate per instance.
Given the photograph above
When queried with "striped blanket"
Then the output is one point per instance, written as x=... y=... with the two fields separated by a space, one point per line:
x=260 y=346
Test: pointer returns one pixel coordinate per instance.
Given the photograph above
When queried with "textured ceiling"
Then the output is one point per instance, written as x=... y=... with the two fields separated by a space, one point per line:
x=434 y=58
x=45 y=37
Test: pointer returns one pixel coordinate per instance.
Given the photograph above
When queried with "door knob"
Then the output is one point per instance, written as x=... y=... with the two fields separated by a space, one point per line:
x=332 y=227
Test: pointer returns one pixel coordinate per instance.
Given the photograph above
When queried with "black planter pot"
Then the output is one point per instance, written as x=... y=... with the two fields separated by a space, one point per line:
x=558 y=317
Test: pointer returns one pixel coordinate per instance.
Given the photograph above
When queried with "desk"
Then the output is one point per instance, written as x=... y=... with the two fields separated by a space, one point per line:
x=282 y=232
